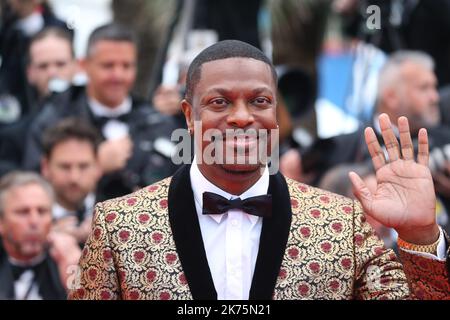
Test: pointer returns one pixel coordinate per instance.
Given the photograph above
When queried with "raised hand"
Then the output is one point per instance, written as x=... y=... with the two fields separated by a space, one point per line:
x=405 y=198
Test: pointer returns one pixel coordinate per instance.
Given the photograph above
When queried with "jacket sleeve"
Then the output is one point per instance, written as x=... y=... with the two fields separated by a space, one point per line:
x=379 y=274
x=97 y=275
x=428 y=278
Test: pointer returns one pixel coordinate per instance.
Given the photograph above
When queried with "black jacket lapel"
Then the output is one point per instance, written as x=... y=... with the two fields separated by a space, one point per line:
x=274 y=237
x=187 y=235
x=6 y=278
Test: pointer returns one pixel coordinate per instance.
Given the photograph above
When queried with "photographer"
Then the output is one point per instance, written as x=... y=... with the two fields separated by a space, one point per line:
x=404 y=24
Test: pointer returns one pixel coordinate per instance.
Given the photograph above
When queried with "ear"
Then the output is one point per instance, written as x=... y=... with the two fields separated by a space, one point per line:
x=45 y=168
x=188 y=114
x=77 y=66
x=83 y=64
x=30 y=75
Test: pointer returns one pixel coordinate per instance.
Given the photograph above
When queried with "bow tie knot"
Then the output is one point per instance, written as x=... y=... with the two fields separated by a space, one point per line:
x=260 y=206
x=17 y=271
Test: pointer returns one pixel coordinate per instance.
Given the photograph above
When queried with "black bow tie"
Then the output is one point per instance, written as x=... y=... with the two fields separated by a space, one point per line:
x=17 y=271
x=80 y=213
x=260 y=206
x=101 y=121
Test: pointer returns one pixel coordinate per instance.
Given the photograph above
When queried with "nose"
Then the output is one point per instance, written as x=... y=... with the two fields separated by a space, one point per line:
x=52 y=71
x=118 y=72
x=240 y=116
x=34 y=219
x=74 y=174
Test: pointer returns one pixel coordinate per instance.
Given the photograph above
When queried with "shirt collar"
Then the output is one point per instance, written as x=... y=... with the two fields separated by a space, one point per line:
x=31 y=263
x=59 y=211
x=101 y=110
x=200 y=185
x=32 y=24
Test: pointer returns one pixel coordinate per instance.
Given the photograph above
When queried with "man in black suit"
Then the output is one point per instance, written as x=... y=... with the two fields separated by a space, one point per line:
x=20 y=21
x=34 y=264
x=70 y=165
x=136 y=148
x=51 y=59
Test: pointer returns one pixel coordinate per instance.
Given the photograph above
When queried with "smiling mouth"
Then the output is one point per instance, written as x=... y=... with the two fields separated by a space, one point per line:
x=242 y=142
x=33 y=238
x=240 y=172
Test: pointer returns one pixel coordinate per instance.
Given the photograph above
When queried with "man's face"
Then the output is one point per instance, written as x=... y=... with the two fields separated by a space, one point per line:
x=111 y=69
x=73 y=171
x=26 y=221
x=50 y=58
x=235 y=93
x=418 y=96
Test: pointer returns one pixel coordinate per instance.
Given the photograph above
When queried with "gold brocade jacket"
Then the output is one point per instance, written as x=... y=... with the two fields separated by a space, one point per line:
x=316 y=245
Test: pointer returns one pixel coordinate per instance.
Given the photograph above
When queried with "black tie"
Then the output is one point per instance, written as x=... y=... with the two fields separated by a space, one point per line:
x=17 y=271
x=260 y=206
x=80 y=213
x=100 y=121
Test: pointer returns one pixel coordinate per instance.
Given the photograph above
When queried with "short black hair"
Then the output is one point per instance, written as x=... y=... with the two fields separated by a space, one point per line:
x=48 y=32
x=111 y=32
x=223 y=50
x=68 y=129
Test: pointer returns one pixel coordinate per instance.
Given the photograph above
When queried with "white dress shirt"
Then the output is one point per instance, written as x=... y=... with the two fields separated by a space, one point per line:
x=60 y=212
x=31 y=24
x=231 y=240
x=113 y=129
x=26 y=287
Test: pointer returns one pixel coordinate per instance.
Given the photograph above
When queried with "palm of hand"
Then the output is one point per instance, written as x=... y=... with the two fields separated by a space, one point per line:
x=404 y=198
x=404 y=193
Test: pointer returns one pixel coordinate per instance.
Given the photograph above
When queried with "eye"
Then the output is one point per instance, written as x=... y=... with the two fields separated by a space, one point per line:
x=61 y=64
x=218 y=104
x=64 y=166
x=84 y=166
x=262 y=102
x=128 y=66
x=44 y=211
x=42 y=66
x=107 y=65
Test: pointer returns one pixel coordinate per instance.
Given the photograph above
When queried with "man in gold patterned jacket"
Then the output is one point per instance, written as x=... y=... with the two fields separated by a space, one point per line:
x=229 y=230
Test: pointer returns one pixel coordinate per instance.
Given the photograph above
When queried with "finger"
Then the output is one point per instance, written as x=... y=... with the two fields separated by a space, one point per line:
x=390 y=141
x=375 y=151
x=423 y=152
x=361 y=192
x=405 y=139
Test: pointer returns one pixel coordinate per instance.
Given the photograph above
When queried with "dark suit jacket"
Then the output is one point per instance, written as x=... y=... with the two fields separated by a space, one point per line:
x=47 y=277
x=146 y=164
x=12 y=144
x=316 y=245
x=13 y=50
